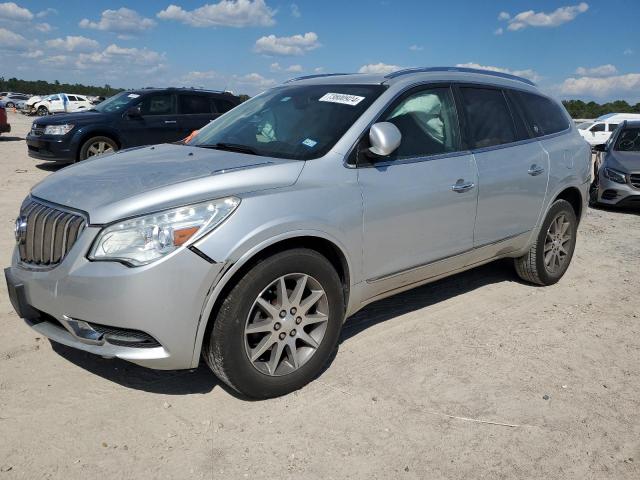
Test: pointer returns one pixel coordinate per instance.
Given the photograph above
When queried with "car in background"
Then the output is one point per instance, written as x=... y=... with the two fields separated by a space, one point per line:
x=618 y=180
x=128 y=119
x=60 y=103
x=599 y=131
x=11 y=100
x=5 y=127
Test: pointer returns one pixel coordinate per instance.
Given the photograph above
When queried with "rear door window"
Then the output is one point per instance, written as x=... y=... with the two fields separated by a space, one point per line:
x=613 y=126
x=543 y=114
x=598 y=127
x=221 y=105
x=194 y=104
x=489 y=119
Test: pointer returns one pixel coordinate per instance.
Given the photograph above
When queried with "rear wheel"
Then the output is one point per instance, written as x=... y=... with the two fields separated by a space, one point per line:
x=97 y=146
x=279 y=325
x=549 y=257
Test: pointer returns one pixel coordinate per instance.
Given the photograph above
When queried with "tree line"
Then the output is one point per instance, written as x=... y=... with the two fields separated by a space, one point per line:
x=42 y=87
x=580 y=109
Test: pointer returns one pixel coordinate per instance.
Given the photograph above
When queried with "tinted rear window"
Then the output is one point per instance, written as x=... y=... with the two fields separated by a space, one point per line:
x=222 y=106
x=488 y=117
x=193 y=104
x=543 y=115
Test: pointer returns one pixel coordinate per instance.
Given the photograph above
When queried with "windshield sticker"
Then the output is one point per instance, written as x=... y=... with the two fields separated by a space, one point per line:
x=285 y=99
x=343 y=98
x=309 y=143
x=133 y=95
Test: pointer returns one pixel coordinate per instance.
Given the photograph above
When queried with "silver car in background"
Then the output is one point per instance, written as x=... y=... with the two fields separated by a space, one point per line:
x=250 y=245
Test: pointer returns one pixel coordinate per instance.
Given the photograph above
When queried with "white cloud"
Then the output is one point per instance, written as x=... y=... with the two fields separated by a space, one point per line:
x=601 y=71
x=43 y=27
x=275 y=67
x=378 y=68
x=226 y=13
x=12 y=41
x=295 y=11
x=255 y=80
x=628 y=51
x=530 y=18
x=199 y=78
x=73 y=44
x=318 y=69
x=46 y=12
x=12 y=11
x=528 y=73
x=33 y=54
x=498 y=31
x=123 y=20
x=294 y=69
x=416 y=48
x=293 y=45
x=602 y=87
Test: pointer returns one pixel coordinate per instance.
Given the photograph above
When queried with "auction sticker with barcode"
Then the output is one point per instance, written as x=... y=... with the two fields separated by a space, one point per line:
x=341 y=98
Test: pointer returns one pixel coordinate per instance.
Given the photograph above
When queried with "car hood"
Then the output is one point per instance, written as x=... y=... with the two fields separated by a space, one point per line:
x=79 y=118
x=627 y=162
x=148 y=179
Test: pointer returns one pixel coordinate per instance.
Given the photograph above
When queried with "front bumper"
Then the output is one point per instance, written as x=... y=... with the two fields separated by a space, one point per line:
x=53 y=148
x=164 y=300
x=618 y=194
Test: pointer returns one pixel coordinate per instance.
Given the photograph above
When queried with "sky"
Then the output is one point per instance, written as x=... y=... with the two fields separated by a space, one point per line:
x=571 y=49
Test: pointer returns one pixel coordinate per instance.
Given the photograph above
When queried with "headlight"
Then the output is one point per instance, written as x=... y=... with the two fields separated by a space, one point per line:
x=58 y=129
x=614 y=175
x=145 y=239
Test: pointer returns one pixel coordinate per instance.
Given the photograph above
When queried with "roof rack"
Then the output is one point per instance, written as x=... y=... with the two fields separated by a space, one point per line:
x=318 y=75
x=493 y=73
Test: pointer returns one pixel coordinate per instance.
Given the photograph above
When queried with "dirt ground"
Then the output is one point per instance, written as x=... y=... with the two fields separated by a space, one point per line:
x=476 y=376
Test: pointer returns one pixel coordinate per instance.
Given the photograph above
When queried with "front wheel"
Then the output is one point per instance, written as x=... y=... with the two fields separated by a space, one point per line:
x=9 y=104
x=42 y=111
x=97 y=146
x=279 y=325
x=549 y=257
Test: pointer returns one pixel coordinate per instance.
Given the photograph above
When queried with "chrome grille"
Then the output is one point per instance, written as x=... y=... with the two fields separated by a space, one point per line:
x=50 y=234
x=634 y=178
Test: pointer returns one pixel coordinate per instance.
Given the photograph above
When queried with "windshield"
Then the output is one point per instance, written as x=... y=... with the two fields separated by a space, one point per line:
x=294 y=122
x=628 y=140
x=116 y=103
x=585 y=125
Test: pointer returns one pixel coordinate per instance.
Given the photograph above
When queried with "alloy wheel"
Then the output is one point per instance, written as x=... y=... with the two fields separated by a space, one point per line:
x=556 y=244
x=286 y=324
x=98 y=148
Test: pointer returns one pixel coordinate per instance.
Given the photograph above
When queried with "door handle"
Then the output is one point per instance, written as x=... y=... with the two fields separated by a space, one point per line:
x=462 y=186
x=170 y=121
x=535 y=170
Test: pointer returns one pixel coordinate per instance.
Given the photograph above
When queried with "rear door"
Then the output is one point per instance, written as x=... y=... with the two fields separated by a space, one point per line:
x=157 y=123
x=513 y=168
x=196 y=110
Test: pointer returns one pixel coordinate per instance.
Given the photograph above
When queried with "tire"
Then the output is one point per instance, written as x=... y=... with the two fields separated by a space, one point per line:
x=97 y=146
x=532 y=266
x=228 y=345
x=9 y=104
x=42 y=111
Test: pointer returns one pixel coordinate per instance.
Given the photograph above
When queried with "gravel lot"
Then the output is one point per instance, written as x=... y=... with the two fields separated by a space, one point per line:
x=476 y=376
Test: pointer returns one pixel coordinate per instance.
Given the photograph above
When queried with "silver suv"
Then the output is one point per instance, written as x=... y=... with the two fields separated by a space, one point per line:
x=251 y=244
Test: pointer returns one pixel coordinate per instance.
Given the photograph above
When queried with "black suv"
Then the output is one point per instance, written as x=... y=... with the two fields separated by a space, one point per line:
x=128 y=119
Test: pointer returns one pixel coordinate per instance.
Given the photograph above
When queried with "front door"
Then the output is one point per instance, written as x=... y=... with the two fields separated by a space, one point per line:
x=420 y=202
x=158 y=122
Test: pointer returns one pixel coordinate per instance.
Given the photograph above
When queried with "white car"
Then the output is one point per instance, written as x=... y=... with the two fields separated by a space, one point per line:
x=61 y=103
x=598 y=131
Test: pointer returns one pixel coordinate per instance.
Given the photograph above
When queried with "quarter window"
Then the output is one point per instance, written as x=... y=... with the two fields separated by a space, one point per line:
x=488 y=117
x=543 y=114
x=428 y=123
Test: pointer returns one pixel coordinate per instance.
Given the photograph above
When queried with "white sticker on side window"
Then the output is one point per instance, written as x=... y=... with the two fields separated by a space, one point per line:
x=133 y=95
x=341 y=98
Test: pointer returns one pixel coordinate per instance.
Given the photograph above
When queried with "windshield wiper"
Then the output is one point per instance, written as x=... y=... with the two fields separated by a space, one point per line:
x=231 y=147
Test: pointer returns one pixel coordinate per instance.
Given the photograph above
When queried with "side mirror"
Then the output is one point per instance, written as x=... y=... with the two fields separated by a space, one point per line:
x=600 y=148
x=384 y=138
x=133 y=112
